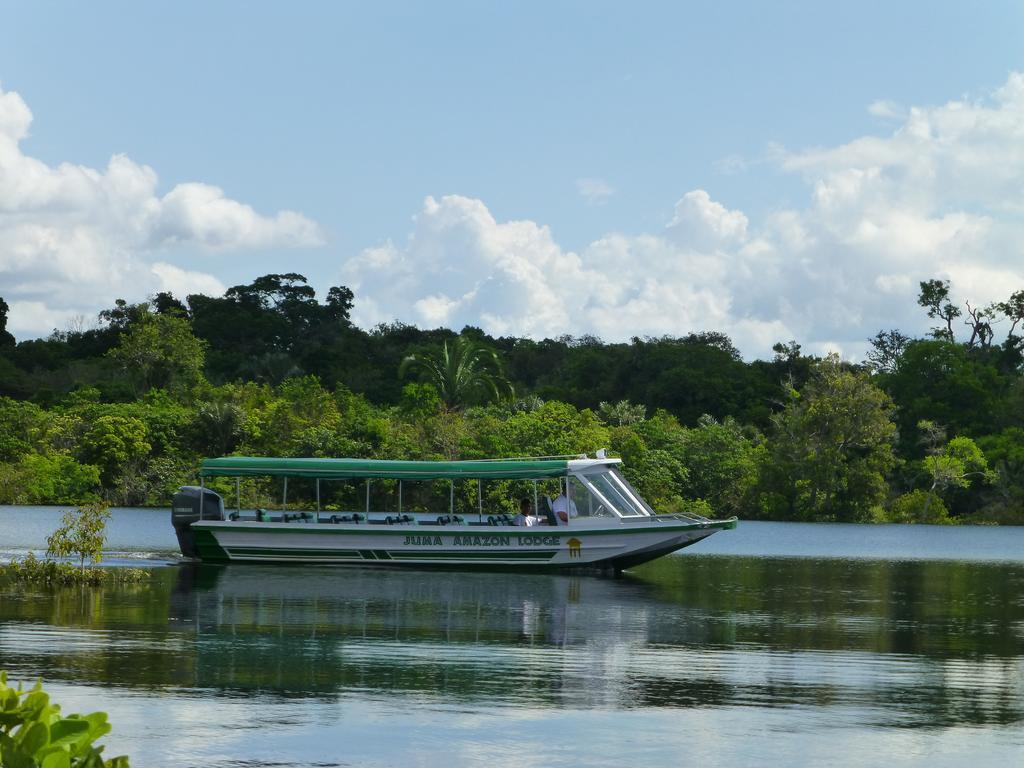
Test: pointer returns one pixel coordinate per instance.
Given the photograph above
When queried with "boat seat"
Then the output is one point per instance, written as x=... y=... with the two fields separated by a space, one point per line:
x=549 y=513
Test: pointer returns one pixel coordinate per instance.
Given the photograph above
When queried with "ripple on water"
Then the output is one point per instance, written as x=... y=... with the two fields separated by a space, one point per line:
x=698 y=660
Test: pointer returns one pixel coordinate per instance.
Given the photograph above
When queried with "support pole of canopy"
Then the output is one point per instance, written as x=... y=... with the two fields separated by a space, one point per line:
x=284 y=498
x=480 y=500
x=238 y=495
x=318 y=496
x=367 y=499
x=536 y=507
x=202 y=495
x=451 y=497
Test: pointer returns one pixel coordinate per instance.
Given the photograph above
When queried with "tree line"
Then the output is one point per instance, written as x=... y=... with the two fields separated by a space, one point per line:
x=927 y=429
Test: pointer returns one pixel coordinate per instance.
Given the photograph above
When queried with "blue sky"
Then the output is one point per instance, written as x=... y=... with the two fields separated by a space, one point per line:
x=534 y=168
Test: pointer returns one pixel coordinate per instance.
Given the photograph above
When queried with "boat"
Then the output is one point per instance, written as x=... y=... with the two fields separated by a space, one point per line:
x=588 y=516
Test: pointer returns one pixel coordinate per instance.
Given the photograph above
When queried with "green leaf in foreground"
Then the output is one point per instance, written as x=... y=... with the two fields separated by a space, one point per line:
x=34 y=734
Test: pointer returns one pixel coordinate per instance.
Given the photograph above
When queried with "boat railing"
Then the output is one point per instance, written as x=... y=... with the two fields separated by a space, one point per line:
x=570 y=456
x=689 y=517
x=329 y=517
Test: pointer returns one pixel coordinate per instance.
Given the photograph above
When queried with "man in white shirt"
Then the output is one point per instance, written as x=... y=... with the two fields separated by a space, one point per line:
x=525 y=516
x=564 y=509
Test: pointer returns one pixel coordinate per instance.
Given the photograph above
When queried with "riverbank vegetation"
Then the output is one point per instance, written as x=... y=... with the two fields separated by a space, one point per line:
x=926 y=430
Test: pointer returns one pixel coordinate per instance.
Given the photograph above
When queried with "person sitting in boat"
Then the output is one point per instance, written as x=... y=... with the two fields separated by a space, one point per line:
x=563 y=508
x=525 y=516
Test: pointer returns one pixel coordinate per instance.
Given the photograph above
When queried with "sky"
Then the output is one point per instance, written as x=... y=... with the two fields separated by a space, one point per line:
x=775 y=171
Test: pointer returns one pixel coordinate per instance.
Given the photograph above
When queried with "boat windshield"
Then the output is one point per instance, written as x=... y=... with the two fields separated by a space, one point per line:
x=607 y=491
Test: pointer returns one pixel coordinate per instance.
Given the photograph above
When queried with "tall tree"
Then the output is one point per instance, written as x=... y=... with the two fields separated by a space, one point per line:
x=934 y=297
x=160 y=351
x=943 y=381
x=117 y=445
x=887 y=348
x=722 y=459
x=219 y=428
x=6 y=339
x=831 y=448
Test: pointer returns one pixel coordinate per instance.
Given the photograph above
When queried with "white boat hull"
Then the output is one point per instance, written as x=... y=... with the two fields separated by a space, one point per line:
x=591 y=544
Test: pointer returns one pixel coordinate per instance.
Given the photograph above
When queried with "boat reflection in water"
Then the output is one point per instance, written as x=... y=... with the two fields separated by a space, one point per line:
x=316 y=630
x=317 y=665
x=700 y=632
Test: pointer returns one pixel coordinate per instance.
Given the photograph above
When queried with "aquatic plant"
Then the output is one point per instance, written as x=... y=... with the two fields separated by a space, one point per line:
x=57 y=573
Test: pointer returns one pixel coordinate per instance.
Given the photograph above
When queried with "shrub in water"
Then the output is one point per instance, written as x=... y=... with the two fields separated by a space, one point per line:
x=81 y=534
x=54 y=573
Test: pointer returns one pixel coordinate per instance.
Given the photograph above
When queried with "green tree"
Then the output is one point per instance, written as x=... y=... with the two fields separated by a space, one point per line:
x=942 y=381
x=462 y=372
x=955 y=465
x=980 y=320
x=274 y=328
x=22 y=425
x=887 y=348
x=934 y=297
x=831 y=448
x=299 y=415
x=723 y=461
x=219 y=428
x=622 y=413
x=919 y=506
x=161 y=351
x=116 y=444
x=554 y=429
x=81 y=534
x=1005 y=453
x=56 y=478
x=6 y=339
x=419 y=402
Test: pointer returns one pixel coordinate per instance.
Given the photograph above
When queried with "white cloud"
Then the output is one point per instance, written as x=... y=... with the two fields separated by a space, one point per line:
x=886 y=109
x=594 y=191
x=941 y=196
x=200 y=213
x=462 y=267
x=15 y=117
x=182 y=282
x=732 y=164
x=73 y=238
x=702 y=223
x=26 y=316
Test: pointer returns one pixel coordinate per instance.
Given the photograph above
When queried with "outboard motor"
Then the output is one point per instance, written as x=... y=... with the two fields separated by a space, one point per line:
x=193 y=503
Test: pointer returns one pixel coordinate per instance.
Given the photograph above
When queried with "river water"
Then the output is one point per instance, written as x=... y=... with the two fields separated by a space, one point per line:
x=775 y=643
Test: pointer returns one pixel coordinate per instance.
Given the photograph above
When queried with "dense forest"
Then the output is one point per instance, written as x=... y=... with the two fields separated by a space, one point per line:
x=926 y=430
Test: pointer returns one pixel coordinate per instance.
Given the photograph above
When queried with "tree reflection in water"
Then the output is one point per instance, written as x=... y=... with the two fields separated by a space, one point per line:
x=890 y=644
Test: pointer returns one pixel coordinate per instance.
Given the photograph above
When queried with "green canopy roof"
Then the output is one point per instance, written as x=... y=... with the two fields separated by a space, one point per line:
x=502 y=469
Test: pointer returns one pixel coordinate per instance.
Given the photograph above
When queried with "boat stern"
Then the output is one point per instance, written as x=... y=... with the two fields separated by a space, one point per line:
x=192 y=503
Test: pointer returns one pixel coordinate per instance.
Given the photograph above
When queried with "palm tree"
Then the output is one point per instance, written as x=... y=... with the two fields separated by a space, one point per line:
x=222 y=427
x=462 y=372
